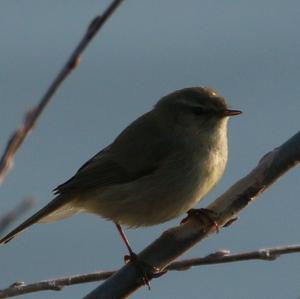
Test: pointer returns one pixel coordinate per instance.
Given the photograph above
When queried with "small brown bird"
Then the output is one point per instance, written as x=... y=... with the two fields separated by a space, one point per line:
x=159 y=167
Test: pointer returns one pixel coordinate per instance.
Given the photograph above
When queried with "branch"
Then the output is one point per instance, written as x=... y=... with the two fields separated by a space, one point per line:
x=13 y=215
x=175 y=241
x=20 y=288
x=17 y=138
x=223 y=256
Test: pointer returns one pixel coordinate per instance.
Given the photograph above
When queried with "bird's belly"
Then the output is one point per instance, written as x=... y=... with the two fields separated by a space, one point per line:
x=158 y=197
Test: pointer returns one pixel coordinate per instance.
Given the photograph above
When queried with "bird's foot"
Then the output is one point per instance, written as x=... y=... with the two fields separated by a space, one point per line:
x=203 y=216
x=146 y=271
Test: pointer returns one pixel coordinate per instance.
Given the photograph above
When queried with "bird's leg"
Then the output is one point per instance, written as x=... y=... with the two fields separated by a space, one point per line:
x=141 y=266
x=131 y=255
x=201 y=215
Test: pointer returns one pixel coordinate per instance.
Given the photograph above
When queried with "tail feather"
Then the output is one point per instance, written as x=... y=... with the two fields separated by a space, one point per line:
x=57 y=209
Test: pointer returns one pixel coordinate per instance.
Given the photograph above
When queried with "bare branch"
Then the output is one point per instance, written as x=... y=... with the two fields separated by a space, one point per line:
x=222 y=256
x=13 y=215
x=20 y=288
x=17 y=138
x=175 y=241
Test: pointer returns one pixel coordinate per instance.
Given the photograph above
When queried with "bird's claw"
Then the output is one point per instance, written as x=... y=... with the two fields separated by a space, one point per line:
x=201 y=215
x=145 y=270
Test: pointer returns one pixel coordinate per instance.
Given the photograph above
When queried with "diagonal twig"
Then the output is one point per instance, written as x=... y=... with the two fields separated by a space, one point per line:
x=223 y=256
x=17 y=138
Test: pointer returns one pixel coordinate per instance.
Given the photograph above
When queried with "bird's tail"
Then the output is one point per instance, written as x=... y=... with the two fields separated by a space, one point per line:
x=57 y=209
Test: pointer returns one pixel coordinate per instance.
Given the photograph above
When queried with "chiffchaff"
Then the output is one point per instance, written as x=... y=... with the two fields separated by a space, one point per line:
x=159 y=167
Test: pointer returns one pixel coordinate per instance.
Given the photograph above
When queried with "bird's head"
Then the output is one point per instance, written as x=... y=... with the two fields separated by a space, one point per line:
x=194 y=108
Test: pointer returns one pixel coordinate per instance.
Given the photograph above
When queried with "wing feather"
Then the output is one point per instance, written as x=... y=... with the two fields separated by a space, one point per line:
x=126 y=159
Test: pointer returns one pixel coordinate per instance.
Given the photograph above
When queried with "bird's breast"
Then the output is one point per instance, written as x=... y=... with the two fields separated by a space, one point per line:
x=199 y=173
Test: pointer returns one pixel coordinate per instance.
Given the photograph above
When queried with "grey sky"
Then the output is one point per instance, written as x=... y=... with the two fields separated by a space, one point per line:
x=246 y=50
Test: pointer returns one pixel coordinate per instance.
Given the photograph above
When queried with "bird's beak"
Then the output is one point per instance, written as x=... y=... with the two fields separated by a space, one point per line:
x=231 y=112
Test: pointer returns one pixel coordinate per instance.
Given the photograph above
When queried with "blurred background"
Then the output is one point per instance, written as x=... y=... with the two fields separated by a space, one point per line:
x=247 y=50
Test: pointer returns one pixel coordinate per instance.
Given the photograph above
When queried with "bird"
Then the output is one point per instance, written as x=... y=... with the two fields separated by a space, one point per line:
x=157 y=168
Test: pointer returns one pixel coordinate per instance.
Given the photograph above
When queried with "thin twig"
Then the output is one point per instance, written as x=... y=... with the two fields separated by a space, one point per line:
x=20 y=288
x=223 y=256
x=13 y=215
x=17 y=138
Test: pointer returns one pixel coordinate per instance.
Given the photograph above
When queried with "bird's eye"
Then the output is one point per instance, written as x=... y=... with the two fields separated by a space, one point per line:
x=198 y=110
